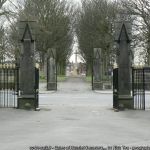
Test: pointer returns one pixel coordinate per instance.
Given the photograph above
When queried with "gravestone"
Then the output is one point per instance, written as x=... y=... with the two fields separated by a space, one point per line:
x=51 y=70
x=97 y=82
x=123 y=39
x=27 y=66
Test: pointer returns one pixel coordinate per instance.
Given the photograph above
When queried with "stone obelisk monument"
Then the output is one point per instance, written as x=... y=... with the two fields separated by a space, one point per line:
x=51 y=70
x=27 y=66
x=97 y=82
x=123 y=39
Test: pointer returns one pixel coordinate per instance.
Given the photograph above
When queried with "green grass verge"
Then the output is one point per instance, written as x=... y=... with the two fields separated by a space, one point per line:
x=42 y=80
x=88 y=78
x=61 y=78
x=42 y=77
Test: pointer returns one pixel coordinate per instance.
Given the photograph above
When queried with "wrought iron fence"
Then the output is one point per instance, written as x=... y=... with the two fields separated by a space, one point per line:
x=140 y=83
x=138 y=88
x=9 y=85
x=115 y=89
x=36 y=88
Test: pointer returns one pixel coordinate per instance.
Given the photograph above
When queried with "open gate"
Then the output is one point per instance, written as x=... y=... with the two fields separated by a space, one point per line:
x=9 y=85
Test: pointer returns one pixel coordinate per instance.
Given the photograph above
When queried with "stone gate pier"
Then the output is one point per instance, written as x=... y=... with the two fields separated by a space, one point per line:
x=123 y=40
x=51 y=69
x=27 y=89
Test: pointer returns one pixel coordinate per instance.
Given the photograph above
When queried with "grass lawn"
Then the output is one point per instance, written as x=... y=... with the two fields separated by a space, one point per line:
x=61 y=78
x=88 y=78
x=42 y=77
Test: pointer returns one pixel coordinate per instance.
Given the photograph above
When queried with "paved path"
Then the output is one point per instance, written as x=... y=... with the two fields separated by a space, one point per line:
x=75 y=92
x=73 y=116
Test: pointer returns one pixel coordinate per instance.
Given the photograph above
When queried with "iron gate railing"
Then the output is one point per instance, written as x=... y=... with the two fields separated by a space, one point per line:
x=138 y=88
x=140 y=83
x=9 y=85
x=115 y=88
x=147 y=78
x=36 y=88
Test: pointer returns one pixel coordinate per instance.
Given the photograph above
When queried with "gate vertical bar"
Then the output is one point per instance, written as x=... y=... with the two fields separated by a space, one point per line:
x=0 y=85
x=92 y=75
x=14 y=90
x=143 y=89
x=56 y=70
x=115 y=88
x=133 y=92
x=17 y=84
x=4 y=85
x=47 y=72
x=138 y=86
x=92 y=71
x=7 y=85
x=36 y=88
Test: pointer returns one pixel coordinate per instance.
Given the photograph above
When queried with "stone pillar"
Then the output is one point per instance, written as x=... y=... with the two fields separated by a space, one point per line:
x=51 y=70
x=26 y=99
x=97 y=82
x=123 y=39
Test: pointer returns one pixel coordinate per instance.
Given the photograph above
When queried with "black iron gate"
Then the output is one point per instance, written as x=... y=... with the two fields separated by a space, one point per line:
x=115 y=88
x=36 y=88
x=140 y=83
x=9 y=85
x=138 y=88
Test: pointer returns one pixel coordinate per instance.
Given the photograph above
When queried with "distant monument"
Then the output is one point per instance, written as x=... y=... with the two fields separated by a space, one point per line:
x=97 y=83
x=123 y=39
x=75 y=66
x=51 y=70
x=27 y=66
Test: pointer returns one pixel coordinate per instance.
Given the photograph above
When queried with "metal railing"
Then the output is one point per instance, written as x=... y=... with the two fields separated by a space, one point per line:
x=115 y=89
x=9 y=85
x=138 y=88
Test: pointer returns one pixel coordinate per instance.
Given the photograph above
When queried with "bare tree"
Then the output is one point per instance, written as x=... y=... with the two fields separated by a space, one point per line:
x=93 y=29
x=2 y=10
x=54 y=27
x=140 y=9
